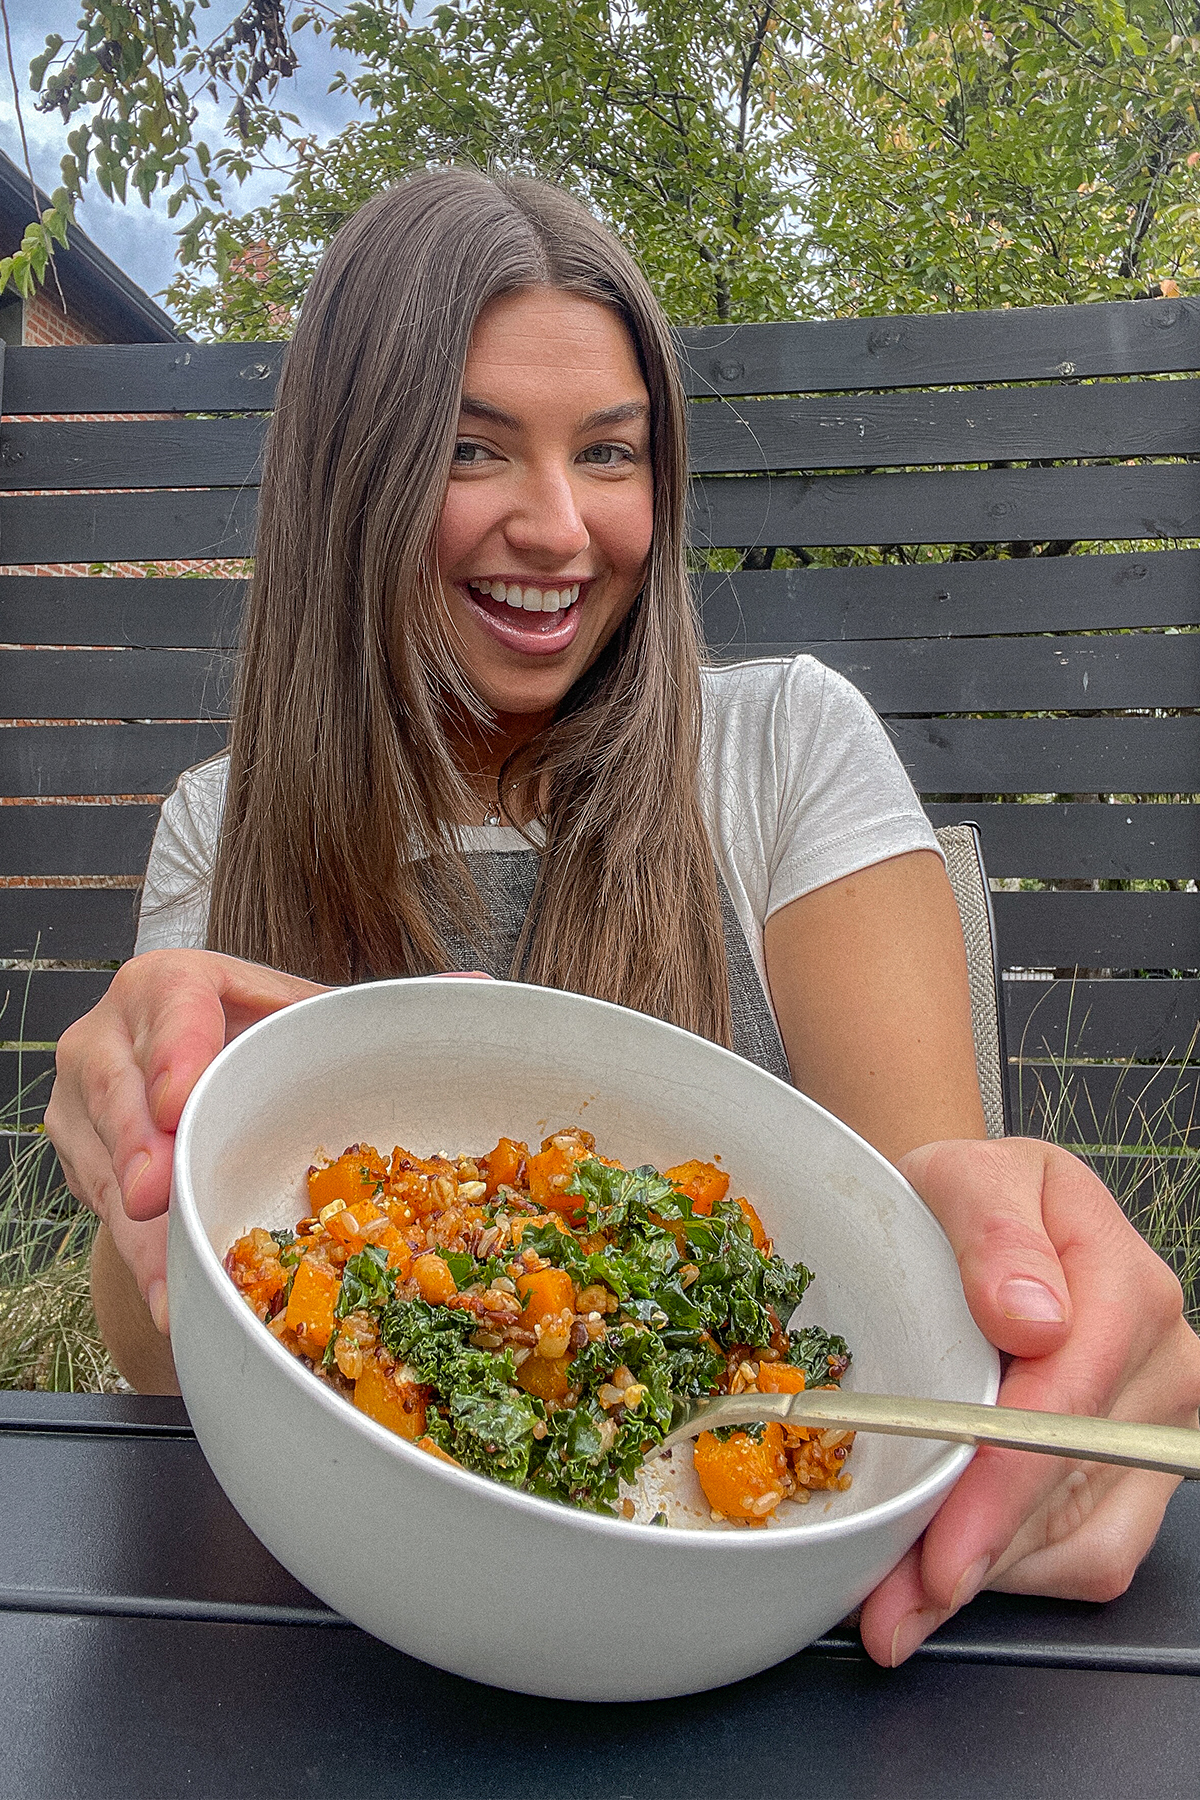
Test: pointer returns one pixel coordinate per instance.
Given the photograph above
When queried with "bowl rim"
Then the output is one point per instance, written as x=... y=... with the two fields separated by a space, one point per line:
x=185 y=1216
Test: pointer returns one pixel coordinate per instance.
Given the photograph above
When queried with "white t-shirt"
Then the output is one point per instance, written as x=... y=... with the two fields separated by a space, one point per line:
x=799 y=785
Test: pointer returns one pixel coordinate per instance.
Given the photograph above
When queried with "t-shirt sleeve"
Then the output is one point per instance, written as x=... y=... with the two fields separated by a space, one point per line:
x=175 y=896
x=845 y=800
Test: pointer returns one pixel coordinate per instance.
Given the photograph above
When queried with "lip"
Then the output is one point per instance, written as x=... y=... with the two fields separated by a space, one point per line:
x=530 y=634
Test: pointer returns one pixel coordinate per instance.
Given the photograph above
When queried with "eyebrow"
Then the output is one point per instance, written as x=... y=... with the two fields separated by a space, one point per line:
x=476 y=408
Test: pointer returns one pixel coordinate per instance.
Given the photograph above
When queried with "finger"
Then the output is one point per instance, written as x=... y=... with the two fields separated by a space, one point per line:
x=97 y=1116
x=899 y=1615
x=1085 y=1543
x=1088 y=1541
x=988 y=1199
x=180 y=1013
x=185 y=1008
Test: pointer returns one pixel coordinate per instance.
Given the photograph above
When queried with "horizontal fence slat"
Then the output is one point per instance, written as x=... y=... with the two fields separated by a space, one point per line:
x=179 y=612
x=750 y=610
x=71 y=924
x=75 y=840
x=142 y=378
x=1082 y=842
x=943 y=756
x=1138 y=337
x=1047 y=930
x=1105 y=930
x=39 y=1004
x=1026 y=674
x=1043 y=343
x=1108 y=1104
x=1137 y=418
x=101 y=759
x=1148 y=1020
x=177 y=526
x=1049 y=756
x=1129 y=418
x=148 y=453
x=105 y=684
x=754 y=609
x=977 y=506
x=989 y=506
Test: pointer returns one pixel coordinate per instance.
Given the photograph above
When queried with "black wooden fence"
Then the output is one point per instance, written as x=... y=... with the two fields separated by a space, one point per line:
x=1006 y=668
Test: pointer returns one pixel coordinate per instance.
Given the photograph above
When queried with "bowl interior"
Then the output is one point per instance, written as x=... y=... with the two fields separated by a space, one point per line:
x=442 y=1064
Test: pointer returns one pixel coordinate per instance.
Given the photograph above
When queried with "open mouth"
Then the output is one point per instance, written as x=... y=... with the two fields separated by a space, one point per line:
x=540 y=621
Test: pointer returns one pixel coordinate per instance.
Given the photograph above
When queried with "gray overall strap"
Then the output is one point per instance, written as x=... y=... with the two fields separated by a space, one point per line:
x=506 y=879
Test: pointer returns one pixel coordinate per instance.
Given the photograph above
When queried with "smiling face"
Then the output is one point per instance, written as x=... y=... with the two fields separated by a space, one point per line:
x=546 y=524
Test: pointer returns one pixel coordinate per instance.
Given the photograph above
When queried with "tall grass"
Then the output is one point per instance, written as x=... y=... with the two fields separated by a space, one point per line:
x=1145 y=1149
x=48 y=1334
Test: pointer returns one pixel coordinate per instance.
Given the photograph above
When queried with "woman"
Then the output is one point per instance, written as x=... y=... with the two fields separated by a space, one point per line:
x=473 y=731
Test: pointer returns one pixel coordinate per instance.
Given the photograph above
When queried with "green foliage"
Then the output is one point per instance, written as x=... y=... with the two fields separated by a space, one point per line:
x=965 y=155
x=852 y=156
x=665 y=118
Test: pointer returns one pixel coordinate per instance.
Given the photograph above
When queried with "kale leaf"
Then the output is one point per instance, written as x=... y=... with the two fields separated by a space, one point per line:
x=822 y=1355
x=464 y=1268
x=366 y=1281
x=493 y=1431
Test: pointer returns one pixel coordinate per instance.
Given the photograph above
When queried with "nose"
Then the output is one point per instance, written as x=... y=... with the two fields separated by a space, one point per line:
x=546 y=523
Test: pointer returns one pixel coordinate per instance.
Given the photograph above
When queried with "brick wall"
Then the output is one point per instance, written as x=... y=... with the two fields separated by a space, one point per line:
x=47 y=326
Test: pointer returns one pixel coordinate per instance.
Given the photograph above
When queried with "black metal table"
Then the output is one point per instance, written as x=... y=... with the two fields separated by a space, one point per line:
x=149 y=1646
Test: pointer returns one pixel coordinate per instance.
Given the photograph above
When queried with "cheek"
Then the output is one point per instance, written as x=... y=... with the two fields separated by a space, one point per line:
x=464 y=522
x=628 y=531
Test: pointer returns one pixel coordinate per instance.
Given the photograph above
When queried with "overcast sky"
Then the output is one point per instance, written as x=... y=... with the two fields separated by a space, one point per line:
x=141 y=240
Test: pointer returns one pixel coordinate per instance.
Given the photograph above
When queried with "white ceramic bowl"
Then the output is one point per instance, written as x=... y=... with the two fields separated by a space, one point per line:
x=471 y=1574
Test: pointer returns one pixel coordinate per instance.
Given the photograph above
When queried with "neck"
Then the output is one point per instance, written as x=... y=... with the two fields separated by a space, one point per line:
x=481 y=753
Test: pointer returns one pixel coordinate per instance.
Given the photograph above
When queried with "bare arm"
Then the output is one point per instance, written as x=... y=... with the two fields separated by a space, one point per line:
x=868 y=977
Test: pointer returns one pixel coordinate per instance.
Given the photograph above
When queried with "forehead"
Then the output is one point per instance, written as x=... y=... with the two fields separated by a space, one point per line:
x=554 y=342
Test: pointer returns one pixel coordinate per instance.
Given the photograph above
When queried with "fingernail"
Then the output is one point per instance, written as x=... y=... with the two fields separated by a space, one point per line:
x=970 y=1582
x=135 y=1168
x=158 y=1094
x=912 y=1630
x=156 y=1300
x=1023 y=1298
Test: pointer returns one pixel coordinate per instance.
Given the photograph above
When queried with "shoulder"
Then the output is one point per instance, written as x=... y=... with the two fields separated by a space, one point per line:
x=194 y=806
x=185 y=842
x=772 y=714
x=732 y=688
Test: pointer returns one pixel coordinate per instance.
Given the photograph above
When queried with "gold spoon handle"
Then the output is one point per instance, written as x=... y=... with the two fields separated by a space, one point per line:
x=1173 y=1449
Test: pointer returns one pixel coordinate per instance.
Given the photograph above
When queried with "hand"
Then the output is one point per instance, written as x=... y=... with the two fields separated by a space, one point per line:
x=1055 y=1276
x=124 y=1072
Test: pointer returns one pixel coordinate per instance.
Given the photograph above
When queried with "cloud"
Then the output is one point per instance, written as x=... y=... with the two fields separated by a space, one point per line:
x=140 y=239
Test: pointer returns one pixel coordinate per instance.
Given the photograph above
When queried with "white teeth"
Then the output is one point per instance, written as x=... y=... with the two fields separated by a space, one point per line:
x=529 y=599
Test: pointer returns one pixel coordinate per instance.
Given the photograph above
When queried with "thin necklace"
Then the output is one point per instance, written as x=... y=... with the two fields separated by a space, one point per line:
x=493 y=815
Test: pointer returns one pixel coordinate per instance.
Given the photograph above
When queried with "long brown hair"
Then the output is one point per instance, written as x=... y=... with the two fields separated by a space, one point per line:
x=338 y=851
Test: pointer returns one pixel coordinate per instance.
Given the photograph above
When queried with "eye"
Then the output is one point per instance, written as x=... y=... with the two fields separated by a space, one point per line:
x=470 y=455
x=606 y=456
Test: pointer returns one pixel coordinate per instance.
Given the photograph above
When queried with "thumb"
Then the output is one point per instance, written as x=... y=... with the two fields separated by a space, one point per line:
x=988 y=1199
